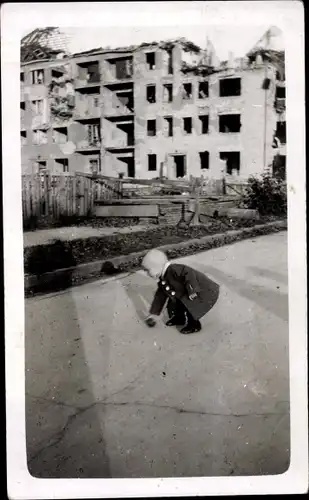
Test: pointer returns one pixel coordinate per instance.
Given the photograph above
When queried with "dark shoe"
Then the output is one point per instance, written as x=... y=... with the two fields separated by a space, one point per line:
x=191 y=329
x=174 y=321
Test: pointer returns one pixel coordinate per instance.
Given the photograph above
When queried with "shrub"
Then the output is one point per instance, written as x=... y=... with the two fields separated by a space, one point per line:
x=267 y=194
x=46 y=258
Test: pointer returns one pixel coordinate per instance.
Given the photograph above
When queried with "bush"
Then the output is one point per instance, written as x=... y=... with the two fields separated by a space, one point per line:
x=268 y=195
x=46 y=258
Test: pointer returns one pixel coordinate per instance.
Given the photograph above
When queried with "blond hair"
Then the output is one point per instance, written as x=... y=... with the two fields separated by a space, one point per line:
x=154 y=259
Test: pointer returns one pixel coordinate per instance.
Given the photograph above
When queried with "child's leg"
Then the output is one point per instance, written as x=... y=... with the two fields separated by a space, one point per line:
x=191 y=325
x=176 y=313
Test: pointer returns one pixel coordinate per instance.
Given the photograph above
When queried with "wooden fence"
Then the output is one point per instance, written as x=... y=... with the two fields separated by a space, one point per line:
x=235 y=188
x=52 y=196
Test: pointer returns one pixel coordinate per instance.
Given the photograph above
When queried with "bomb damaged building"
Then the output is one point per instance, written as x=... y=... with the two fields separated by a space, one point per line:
x=165 y=108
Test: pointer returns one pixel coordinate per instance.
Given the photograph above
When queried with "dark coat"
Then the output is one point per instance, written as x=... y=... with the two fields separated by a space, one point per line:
x=180 y=281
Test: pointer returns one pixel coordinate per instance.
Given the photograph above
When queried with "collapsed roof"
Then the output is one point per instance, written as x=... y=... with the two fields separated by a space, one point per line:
x=187 y=46
x=271 y=47
x=46 y=43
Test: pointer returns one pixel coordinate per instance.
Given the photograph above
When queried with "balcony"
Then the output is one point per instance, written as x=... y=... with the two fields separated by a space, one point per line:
x=22 y=121
x=84 y=82
x=280 y=104
x=88 y=147
x=22 y=91
x=86 y=112
x=126 y=150
x=119 y=70
x=39 y=121
x=88 y=75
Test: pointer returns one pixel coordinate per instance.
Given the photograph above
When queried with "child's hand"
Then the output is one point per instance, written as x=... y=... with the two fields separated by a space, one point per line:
x=192 y=296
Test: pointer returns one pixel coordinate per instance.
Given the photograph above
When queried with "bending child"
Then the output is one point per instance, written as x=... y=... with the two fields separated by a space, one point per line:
x=190 y=294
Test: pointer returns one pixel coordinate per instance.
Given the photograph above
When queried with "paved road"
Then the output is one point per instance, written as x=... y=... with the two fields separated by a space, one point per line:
x=108 y=397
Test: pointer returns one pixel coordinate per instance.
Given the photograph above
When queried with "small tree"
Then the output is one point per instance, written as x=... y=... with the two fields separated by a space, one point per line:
x=267 y=194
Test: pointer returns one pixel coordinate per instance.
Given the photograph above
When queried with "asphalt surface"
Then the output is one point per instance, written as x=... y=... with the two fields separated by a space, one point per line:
x=108 y=397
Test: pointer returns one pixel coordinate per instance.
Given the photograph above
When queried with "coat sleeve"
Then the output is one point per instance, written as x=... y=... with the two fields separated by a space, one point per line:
x=158 y=302
x=190 y=280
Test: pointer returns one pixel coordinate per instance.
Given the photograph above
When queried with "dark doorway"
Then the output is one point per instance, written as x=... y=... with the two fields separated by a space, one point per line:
x=180 y=163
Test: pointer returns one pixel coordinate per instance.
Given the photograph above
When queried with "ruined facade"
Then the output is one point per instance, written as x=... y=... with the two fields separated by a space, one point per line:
x=165 y=108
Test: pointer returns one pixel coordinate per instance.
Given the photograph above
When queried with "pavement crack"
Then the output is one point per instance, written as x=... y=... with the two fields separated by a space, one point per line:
x=190 y=411
x=59 y=435
x=52 y=401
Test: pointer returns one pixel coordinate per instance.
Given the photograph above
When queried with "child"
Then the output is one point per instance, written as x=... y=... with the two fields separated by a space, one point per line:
x=190 y=293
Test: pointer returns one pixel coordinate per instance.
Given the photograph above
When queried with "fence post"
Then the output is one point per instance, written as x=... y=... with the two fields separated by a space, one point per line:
x=223 y=186
x=196 y=216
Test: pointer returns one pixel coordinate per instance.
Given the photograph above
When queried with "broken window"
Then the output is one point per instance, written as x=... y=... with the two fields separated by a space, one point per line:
x=280 y=76
x=37 y=76
x=204 y=160
x=152 y=162
x=151 y=60
x=230 y=87
x=60 y=135
x=93 y=75
x=202 y=90
x=151 y=128
x=281 y=132
x=62 y=164
x=126 y=99
x=229 y=123
x=168 y=92
x=95 y=165
x=169 y=125
x=204 y=123
x=170 y=69
x=280 y=92
x=124 y=68
x=22 y=77
x=266 y=83
x=93 y=134
x=40 y=166
x=55 y=73
x=37 y=107
x=232 y=159
x=89 y=71
x=23 y=137
x=187 y=91
x=39 y=136
x=23 y=105
x=187 y=125
x=151 y=93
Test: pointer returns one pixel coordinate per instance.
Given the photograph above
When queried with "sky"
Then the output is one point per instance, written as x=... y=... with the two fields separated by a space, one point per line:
x=238 y=40
x=231 y=26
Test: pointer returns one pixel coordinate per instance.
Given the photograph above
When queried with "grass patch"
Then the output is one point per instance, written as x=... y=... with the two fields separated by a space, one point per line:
x=58 y=255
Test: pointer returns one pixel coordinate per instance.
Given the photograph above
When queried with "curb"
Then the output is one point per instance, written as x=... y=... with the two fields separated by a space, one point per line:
x=94 y=270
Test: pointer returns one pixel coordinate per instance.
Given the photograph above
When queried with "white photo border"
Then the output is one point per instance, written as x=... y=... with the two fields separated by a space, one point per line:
x=289 y=17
